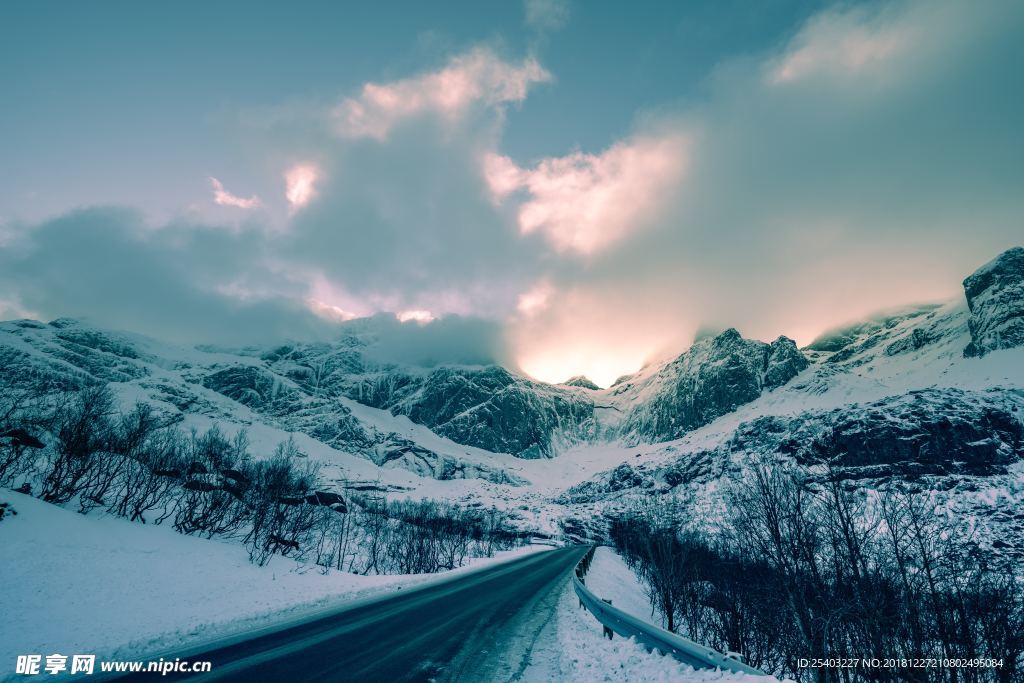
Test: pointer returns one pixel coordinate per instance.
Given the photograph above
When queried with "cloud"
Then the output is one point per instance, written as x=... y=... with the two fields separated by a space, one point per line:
x=409 y=224
x=417 y=316
x=879 y=173
x=598 y=330
x=586 y=202
x=329 y=311
x=12 y=310
x=403 y=223
x=452 y=339
x=477 y=77
x=300 y=185
x=547 y=15
x=535 y=299
x=180 y=282
x=844 y=42
x=225 y=198
x=190 y=284
x=872 y=160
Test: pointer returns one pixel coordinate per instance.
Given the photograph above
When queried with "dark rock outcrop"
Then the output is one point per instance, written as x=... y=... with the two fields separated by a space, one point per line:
x=487 y=407
x=936 y=433
x=19 y=438
x=995 y=296
x=783 y=363
x=249 y=385
x=395 y=451
x=582 y=382
x=328 y=499
x=714 y=377
x=917 y=339
x=928 y=432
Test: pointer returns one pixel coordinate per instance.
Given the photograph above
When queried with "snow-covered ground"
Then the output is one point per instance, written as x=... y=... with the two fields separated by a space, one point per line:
x=610 y=579
x=101 y=585
x=578 y=651
x=106 y=586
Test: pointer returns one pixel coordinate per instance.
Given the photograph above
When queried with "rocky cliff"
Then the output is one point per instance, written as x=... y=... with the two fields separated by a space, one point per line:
x=714 y=377
x=995 y=296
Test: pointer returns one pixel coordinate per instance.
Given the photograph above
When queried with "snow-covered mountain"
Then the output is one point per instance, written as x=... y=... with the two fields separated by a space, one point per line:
x=714 y=377
x=932 y=394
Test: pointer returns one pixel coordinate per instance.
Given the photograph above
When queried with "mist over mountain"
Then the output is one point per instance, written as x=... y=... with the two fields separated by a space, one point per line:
x=422 y=399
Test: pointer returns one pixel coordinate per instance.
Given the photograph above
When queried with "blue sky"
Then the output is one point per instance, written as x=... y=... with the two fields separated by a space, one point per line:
x=572 y=187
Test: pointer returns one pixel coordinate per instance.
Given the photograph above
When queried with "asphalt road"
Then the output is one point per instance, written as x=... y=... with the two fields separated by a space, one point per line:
x=480 y=627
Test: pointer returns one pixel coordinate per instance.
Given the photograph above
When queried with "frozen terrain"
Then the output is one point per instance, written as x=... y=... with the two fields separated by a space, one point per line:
x=577 y=651
x=101 y=585
x=928 y=396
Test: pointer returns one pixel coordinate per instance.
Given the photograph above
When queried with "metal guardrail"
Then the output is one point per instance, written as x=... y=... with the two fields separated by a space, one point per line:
x=652 y=637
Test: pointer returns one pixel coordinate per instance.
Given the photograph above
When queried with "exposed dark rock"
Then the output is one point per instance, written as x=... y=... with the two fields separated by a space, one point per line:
x=917 y=339
x=328 y=499
x=20 y=438
x=7 y=511
x=939 y=432
x=623 y=477
x=582 y=382
x=372 y=487
x=94 y=339
x=694 y=467
x=995 y=296
x=487 y=407
x=644 y=479
x=249 y=385
x=784 y=362
x=234 y=475
x=398 y=451
x=840 y=338
x=713 y=378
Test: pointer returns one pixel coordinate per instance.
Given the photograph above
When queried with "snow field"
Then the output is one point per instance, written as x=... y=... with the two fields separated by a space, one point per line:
x=75 y=584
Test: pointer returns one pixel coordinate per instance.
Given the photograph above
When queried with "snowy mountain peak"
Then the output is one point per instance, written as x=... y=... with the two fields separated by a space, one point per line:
x=715 y=376
x=582 y=382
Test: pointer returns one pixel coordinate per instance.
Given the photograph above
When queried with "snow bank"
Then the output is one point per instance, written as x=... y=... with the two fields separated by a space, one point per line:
x=101 y=585
x=610 y=579
x=585 y=655
x=578 y=651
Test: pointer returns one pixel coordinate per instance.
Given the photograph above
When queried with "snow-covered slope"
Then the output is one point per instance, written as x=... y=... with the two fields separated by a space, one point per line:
x=106 y=586
x=715 y=376
x=888 y=398
x=894 y=396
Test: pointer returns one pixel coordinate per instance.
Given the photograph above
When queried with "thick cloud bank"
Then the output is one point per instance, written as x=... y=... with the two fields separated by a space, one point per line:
x=872 y=160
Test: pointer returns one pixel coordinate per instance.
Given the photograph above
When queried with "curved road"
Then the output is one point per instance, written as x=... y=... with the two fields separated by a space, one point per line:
x=479 y=627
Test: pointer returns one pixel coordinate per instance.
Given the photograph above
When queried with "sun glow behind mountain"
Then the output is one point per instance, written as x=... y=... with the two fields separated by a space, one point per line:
x=589 y=225
x=601 y=366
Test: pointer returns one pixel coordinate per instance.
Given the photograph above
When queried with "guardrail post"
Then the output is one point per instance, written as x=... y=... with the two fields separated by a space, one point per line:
x=614 y=620
x=607 y=629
